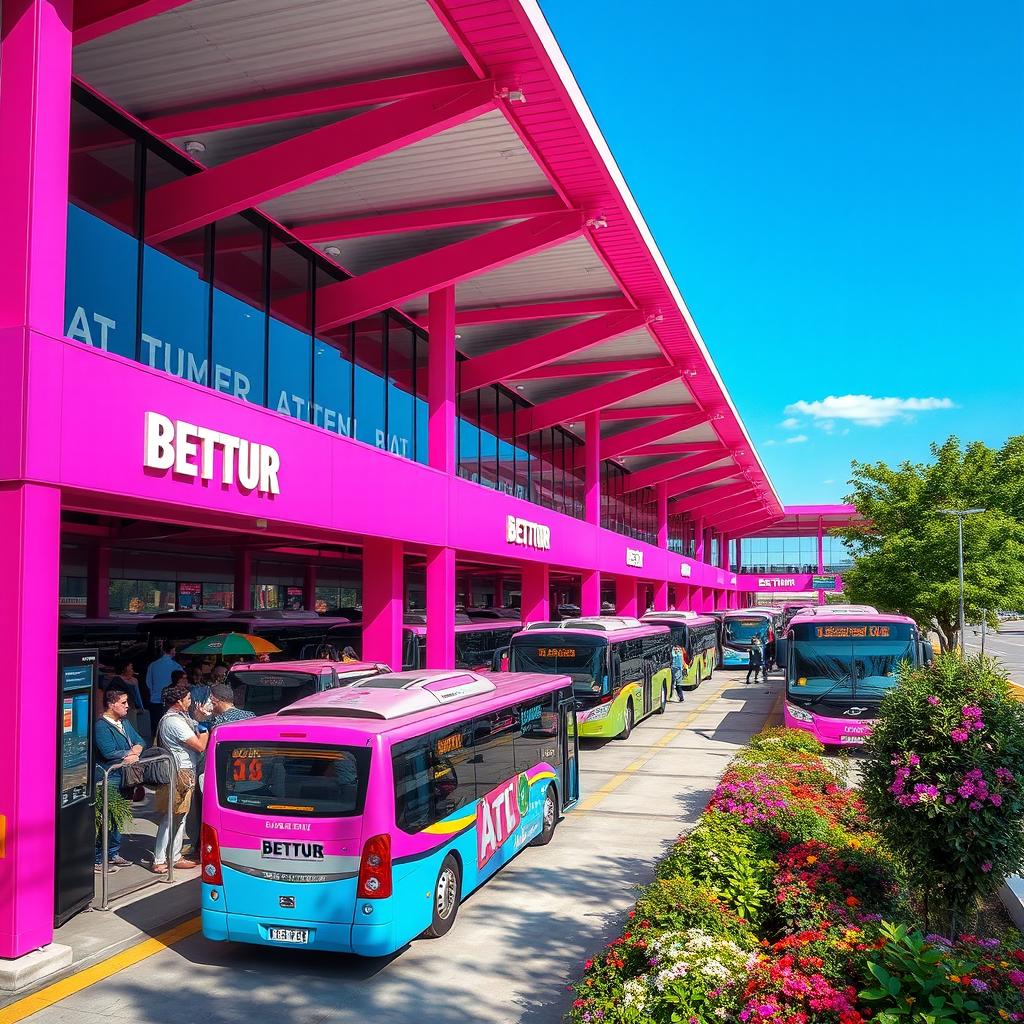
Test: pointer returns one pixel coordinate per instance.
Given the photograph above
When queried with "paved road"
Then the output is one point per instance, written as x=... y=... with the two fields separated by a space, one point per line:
x=517 y=941
x=1007 y=645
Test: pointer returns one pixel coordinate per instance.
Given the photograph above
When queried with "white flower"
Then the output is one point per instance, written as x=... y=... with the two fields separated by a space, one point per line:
x=635 y=992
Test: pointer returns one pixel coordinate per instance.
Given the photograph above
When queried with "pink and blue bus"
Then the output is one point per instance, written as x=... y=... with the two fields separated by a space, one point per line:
x=358 y=818
x=264 y=688
x=738 y=631
x=838 y=668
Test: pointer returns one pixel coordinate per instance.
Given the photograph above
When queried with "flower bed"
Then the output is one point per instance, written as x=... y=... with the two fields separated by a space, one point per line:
x=780 y=907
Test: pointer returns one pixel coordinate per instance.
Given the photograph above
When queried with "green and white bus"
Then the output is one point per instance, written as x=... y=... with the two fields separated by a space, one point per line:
x=694 y=646
x=621 y=668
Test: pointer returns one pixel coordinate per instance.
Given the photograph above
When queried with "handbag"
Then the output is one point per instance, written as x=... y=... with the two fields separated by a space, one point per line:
x=183 y=787
x=157 y=772
x=132 y=777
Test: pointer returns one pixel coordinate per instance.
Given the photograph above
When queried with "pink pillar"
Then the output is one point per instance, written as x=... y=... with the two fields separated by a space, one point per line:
x=383 y=591
x=592 y=470
x=590 y=593
x=243 y=580
x=97 y=594
x=309 y=588
x=29 y=593
x=699 y=536
x=499 y=591
x=739 y=554
x=695 y=600
x=662 y=515
x=723 y=551
x=708 y=533
x=625 y=595
x=536 y=598
x=441 y=397
x=821 y=557
x=467 y=591
x=661 y=596
x=441 y=608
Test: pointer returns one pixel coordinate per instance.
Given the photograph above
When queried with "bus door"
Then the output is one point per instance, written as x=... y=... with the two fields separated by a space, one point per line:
x=570 y=751
x=648 y=686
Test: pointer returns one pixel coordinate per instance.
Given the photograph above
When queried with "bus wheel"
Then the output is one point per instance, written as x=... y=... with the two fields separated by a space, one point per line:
x=447 y=893
x=628 y=727
x=550 y=818
x=660 y=709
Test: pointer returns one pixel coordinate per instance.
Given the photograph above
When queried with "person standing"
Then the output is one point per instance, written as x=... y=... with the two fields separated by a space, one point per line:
x=158 y=676
x=176 y=733
x=755 y=660
x=115 y=739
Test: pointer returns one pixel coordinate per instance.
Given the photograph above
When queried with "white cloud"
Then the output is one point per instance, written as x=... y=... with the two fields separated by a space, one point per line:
x=790 y=423
x=796 y=439
x=864 y=410
x=768 y=443
x=827 y=483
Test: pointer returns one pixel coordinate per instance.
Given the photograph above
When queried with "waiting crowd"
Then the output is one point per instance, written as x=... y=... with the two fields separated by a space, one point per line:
x=185 y=705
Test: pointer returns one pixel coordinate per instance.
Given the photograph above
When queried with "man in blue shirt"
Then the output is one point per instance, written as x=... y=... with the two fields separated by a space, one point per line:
x=158 y=677
x=115 y=740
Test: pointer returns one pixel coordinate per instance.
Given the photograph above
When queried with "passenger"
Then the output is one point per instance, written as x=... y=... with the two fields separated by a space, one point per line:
x=755 y=660
x=349 y=655
x=219 y=673
x=198 y=688
x=679 y=671
x=158 y=676
x=124 y=677
x=115 y=739
x=177 y=735
x=222 y=697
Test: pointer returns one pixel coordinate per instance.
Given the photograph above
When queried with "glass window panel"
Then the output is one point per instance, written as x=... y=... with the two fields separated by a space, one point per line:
x=487 y=398
x=422 y=408
x=332 y=380
x=290 y=344
x=239 y=304
x=401 y=369
x=102 y=270
x=370 y=393
x=506 y=443
x=176 y=300
x=469 y=437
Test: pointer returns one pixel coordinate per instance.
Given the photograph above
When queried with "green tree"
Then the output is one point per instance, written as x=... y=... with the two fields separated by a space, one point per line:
x=906 y=553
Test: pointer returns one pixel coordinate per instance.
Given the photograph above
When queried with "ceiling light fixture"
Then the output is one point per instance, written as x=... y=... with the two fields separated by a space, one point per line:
x=332 y=250
x=688 y=372
x=194 y=147
x=513 y=95
x=520 y=387
x=597 y=222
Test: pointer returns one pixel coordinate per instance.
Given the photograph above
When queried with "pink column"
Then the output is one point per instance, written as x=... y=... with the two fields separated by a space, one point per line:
x=707 y=544
x=97 y=594
x=441 y=397
x=383 y=592
x=243 y=580
x=592 y=470
x=590 y=593
x=441 y=608
x=29 y=594
x=661 y=596
x=499 y=591
x=695 y=600
x=309 y=588
x=662 y=515
x=723 y=551
x=536 y=598
x=821 y=558
x=739 y=554
x=699 y=536
x=625 y=595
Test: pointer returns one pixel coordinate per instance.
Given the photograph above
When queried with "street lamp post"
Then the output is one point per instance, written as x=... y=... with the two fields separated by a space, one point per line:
x=960 y=513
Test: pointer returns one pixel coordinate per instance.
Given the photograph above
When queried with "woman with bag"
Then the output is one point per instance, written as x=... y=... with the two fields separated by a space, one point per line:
x=176 y=734
x=115 y=740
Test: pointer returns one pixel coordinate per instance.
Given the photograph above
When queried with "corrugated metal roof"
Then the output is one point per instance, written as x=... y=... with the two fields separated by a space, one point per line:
x=209 y=51
x=462 y=165
x=476 y=340
x=635 y=345
x=673 y=393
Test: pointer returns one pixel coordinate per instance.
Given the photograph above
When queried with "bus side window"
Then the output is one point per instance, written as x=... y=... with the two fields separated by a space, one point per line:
x=412 y=785
x=538 y=739
x=493 y=745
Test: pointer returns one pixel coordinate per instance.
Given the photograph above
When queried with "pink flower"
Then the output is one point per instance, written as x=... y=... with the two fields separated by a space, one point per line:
x=959 y=735
x=995 y=800
x=986 y=866
x=933 y=700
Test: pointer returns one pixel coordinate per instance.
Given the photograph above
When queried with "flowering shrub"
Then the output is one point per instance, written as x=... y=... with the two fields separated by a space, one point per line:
x=943 y=783
x=781 y=907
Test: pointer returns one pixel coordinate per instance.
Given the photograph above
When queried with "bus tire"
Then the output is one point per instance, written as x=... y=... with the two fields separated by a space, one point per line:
x=550 y=813
x=627 y=727
x=447 y=895
x=660 y=709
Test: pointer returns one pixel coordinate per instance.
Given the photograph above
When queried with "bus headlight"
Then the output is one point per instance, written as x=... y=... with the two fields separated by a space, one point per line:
x=799 y=714
x=601 y=711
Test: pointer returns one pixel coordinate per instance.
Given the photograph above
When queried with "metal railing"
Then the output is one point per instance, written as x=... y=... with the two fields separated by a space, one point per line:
x=162 y=755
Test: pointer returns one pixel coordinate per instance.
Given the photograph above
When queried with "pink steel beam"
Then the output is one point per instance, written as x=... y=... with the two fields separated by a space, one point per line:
x=630 y=440
x=392 y=285
x=697 y=501
x=744 y=522
x=712 y=476
x=669 y=471
x=542 y=311
x=424 y=220
x=576 y=406
x=95 y=18
x=682 y=448
x=324 y=100
x=188 y=203
x=589 y=369
x=515 y=360
x=731 y=507
x=641 y=412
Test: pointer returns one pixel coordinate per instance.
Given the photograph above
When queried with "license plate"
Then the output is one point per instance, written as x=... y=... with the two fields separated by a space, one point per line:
x=853 y=739
x=299 y=936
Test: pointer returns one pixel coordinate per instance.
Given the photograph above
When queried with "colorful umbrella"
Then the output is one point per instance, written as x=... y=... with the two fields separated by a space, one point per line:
x=232 y=643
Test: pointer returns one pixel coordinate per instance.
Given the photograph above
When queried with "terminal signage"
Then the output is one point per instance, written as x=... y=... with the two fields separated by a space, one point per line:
x=776 y=583
x=823 y=583
x=685 y=570
x=189 y=450
x=527 y=534
x=635 y=557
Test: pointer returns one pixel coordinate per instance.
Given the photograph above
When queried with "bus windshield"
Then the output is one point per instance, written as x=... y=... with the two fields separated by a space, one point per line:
x=846 y=662
x=743 y=630
x=293 y=779
x=584 y=665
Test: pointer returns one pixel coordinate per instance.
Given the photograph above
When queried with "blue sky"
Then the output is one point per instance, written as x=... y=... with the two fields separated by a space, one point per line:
x=839 y=191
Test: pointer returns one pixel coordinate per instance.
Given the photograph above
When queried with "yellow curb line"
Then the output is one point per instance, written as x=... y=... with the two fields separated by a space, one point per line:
x=91 y=975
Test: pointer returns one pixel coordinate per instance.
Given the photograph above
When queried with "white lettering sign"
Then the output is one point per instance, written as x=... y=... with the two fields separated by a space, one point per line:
x=635 y=557
x=527 y=534
x=686 y=570
x=189 y=450
x=775 y=582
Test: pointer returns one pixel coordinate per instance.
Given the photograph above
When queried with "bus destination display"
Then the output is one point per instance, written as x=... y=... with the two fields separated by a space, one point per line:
x=853 y=632
x=556 y=652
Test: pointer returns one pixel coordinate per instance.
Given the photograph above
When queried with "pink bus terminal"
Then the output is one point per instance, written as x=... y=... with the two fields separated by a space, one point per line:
x=341 y=307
